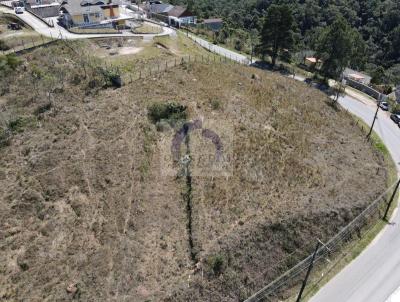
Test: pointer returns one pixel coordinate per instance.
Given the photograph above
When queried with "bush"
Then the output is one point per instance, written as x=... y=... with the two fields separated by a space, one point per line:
x=172 y=113
x=8 y=63
x=216 y=264
x=215 y=104
x=3 y=45
x=5 y=136
x=19 y=124
x=43 y=108
x=112 y=78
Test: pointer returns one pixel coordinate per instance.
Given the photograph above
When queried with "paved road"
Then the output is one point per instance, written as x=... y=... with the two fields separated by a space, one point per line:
x=220 y=50
x=374 y=276
x=61 y=33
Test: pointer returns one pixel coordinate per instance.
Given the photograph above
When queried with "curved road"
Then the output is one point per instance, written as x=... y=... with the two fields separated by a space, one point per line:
x=374 y=276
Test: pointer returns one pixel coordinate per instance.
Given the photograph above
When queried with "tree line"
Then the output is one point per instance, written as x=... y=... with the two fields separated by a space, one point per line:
x=369 y=28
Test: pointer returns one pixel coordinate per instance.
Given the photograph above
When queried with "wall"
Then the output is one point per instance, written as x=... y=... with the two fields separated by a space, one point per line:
x=366 y=89
x=46 y=12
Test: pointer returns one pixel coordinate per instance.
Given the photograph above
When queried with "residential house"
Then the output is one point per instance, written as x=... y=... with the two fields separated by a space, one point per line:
x=180 y=15
x=170 y=14
x=98 y=13
x=159 y=9
x=212 y=24
x=312 y=62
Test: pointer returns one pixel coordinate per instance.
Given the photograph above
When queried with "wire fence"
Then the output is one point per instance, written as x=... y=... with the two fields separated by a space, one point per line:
x=358 y=227
x=26 y=44
x=157 y=68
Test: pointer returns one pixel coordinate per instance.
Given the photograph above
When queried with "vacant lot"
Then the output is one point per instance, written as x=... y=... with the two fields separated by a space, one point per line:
x=98 y=204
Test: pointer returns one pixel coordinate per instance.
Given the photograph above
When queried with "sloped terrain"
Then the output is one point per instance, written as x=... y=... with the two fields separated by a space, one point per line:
x=98 y=203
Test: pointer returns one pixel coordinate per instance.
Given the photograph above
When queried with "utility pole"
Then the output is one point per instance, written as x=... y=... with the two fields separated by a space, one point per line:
x=373 y=122
x=303 y=286
x=391 y=200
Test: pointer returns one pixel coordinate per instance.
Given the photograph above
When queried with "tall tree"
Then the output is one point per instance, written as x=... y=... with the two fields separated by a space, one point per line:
x=339 y=46
x=277 y=31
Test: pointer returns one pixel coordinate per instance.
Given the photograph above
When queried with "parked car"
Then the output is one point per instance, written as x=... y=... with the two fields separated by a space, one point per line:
x=395 y=118
x=14 y=26
x=384 y=105
x=19 y=10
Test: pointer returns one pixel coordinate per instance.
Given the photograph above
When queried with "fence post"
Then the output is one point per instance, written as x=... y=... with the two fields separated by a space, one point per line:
x=391 y=200
x=303 y=286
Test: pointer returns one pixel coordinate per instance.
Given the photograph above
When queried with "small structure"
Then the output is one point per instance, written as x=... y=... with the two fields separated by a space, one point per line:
x=357 y=76
x=312 y=62
x=90 y=13
x=212 y=24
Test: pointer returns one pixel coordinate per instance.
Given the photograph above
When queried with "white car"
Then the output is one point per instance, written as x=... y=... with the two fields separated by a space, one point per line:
x=19 y=10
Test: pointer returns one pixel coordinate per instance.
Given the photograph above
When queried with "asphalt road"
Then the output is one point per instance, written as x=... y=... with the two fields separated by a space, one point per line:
x=374 y=276
x=220 y=50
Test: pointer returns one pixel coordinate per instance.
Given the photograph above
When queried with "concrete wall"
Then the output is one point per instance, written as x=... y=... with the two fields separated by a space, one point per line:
x=46 y=12
x=366 y=89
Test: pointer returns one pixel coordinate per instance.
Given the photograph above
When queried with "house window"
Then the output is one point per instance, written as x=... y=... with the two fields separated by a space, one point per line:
x=38 y=1
x=85 y=18
x=97 y=15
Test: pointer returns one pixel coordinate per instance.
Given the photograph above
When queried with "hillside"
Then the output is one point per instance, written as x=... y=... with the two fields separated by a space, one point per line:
x=104 y=199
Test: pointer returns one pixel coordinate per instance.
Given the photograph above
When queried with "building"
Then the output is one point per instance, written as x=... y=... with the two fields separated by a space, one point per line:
x=180 y=15
x=212 y=24
x=312 y=62
x=170 y=14
x=98 y=13
x=357 y=76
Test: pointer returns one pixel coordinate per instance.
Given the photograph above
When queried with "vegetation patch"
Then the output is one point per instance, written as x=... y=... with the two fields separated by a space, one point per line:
x=169 y=112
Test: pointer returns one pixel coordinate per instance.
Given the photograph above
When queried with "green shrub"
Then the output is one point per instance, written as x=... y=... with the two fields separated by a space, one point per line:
x=43 y=108
x=3 y=45
x=9 y=63
x=216 y=263
x=5 y=136
x=172 y=113
x=215 y=104
x=112 y=78
x=19 y=124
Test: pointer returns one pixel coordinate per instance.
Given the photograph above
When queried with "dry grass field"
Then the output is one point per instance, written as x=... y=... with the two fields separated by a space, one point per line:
x=93 y=206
